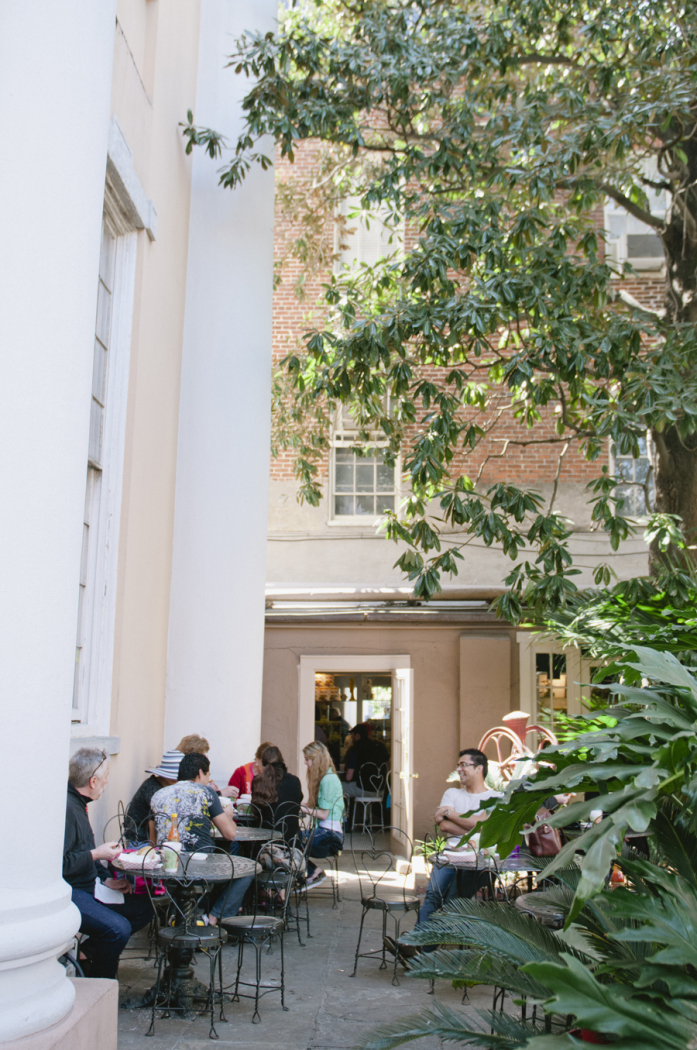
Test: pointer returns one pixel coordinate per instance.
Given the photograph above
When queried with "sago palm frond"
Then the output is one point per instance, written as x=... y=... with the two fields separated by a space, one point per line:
x=476 y=968
x=450 y=1026
x=502 y=931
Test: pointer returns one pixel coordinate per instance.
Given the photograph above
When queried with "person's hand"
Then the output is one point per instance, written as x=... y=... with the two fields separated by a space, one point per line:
x=230 y=791
x=212 y=784
x=119 y=884
x=107 y=851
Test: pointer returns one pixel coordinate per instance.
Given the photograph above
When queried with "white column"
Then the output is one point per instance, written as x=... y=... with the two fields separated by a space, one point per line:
x=55 y=79
x=216 y=629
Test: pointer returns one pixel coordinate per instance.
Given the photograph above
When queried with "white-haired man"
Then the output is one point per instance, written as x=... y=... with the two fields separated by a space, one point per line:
x=108 y=925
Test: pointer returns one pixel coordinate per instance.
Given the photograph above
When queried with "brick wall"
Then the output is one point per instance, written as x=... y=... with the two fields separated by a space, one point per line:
x=532 y=464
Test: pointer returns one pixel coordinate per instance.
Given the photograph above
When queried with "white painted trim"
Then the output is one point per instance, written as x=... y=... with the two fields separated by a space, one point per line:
x=577 y=671
x=96 y=718
x=139 y=210
x=309 y=664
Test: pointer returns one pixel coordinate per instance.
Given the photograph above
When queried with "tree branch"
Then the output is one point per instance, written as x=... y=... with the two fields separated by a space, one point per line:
x=639 y=213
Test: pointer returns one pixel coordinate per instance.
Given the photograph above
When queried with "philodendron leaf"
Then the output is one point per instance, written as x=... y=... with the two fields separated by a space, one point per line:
x=664 y=667
x=609 y=1009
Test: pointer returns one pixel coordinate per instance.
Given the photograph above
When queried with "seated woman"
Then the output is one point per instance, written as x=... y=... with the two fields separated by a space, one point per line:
x=326 y=806
x=277 y=794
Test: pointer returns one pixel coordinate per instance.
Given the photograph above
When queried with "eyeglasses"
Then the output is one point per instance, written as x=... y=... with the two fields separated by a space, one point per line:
x=466 y=765
x=104 y=758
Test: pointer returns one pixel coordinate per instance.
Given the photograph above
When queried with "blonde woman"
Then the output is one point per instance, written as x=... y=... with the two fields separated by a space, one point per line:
x=326 y=806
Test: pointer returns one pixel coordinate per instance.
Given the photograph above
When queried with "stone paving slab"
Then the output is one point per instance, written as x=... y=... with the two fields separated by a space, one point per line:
x=327 y=1009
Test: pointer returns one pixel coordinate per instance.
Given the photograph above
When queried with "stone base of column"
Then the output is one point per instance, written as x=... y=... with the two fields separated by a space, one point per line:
x=91 y=1023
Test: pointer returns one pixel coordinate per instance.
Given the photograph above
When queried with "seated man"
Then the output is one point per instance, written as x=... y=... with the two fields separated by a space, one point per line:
x=138 y=810
x=472 y=793
x=196 y=804
x=365 y=763
x=109 y=925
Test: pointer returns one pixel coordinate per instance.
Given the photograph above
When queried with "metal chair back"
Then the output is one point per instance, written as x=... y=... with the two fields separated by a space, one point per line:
x=383 y=862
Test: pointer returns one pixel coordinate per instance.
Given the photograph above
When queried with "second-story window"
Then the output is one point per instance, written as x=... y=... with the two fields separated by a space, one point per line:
x=635 y=477
x=364 y=486
x=363 y=237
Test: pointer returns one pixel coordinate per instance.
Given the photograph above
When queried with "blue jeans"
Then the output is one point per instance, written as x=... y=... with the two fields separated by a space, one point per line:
x=231 y=899
x=109 y=927
x=443 y=886
x=326 y=843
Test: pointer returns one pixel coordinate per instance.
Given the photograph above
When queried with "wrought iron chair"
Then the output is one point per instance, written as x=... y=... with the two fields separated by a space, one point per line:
x=258 y=930
x=337 y=815
x=383 y=888
x=184 y=934
x=284 y=879
x=120 y=818
x=373 y=779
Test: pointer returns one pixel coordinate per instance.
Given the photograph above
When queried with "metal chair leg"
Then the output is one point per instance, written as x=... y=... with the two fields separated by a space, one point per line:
x=383 y=964
x=283 y=978
x=397 y=924
x=151 y=1029
x=358 y=946
x=212 y=959
x=222 y=1016
x=256 y=1016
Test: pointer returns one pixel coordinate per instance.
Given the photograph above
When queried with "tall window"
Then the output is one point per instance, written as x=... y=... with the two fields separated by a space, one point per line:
x=363 y=487
x=635 y=474
x=93 y=495
x=363 y=237
x=629 y=239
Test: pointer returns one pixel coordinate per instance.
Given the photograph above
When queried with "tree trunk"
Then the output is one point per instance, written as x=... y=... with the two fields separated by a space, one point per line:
x=676 y=492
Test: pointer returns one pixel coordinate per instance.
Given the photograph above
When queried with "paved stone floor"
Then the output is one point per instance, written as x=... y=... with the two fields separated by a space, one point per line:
x=327 y=1009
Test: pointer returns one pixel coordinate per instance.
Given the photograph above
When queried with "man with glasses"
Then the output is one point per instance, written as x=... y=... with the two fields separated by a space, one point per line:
x=472 y=794
x=108 y=924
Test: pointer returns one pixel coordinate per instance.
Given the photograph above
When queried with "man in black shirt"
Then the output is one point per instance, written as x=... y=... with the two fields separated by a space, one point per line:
x=109 y=925
x=365 y=764
x=138 y=811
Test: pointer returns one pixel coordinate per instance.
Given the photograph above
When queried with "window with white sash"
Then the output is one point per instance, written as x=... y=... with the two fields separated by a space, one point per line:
x=110 y=366
x=629 y=239
x=364 y=237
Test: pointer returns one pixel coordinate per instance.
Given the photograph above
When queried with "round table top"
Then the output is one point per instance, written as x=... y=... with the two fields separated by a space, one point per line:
x=256 y=834
x=215 y=868
x=534 y=904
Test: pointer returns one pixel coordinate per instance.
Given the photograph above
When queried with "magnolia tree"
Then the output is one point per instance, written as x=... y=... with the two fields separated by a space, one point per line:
x=493 y=130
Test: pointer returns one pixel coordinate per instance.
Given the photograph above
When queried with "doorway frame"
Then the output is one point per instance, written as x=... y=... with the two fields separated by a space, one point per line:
x=310 y=663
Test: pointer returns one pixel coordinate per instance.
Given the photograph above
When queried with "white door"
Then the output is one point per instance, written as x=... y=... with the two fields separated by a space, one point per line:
x=402 y=758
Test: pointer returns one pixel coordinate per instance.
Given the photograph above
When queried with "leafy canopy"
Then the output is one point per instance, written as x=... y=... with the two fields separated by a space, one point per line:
x=492 y=131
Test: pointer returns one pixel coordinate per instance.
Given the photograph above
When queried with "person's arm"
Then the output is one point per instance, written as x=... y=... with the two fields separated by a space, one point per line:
x=350 y=765
x=152 y=832
x=454 y=825
x=315 y=811
x=226 y=826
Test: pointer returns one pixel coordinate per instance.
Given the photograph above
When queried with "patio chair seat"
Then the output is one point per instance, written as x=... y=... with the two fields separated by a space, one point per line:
x=201 y=936
x=391 y=902
x=252 y=927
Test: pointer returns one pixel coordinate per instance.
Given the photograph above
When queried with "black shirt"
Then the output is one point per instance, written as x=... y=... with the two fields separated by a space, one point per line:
x=79 y=869
x=370 y=753
x=138 y=811
x=282 y=815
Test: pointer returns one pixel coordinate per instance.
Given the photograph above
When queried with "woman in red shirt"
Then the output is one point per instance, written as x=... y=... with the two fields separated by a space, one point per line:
x=240 y=782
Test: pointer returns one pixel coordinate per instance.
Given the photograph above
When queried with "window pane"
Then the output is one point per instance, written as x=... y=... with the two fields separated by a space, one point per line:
x=344 y=478
x=95 y=445
x=365 y=504
x=106 y=258
x=624 y=469
x=385 y=478
x=99 y=372
x=644 y=246
x=103 y=314
x=343 y=505
x=641 y=469
x=365 y=476
x=383 y=503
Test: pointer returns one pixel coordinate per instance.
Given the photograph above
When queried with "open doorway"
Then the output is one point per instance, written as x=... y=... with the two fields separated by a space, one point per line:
x=344 y=700
x=383 y=686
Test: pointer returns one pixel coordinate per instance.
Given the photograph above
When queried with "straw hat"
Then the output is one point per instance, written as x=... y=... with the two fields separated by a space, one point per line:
x=169 y=766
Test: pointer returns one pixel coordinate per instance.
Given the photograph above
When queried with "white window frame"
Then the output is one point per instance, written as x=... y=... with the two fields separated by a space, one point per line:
x=127 y=209
x=366 y=219
x=616 y=251
x=650 y=455
x=578 y=674
x=345 y=435
x=92 y=716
